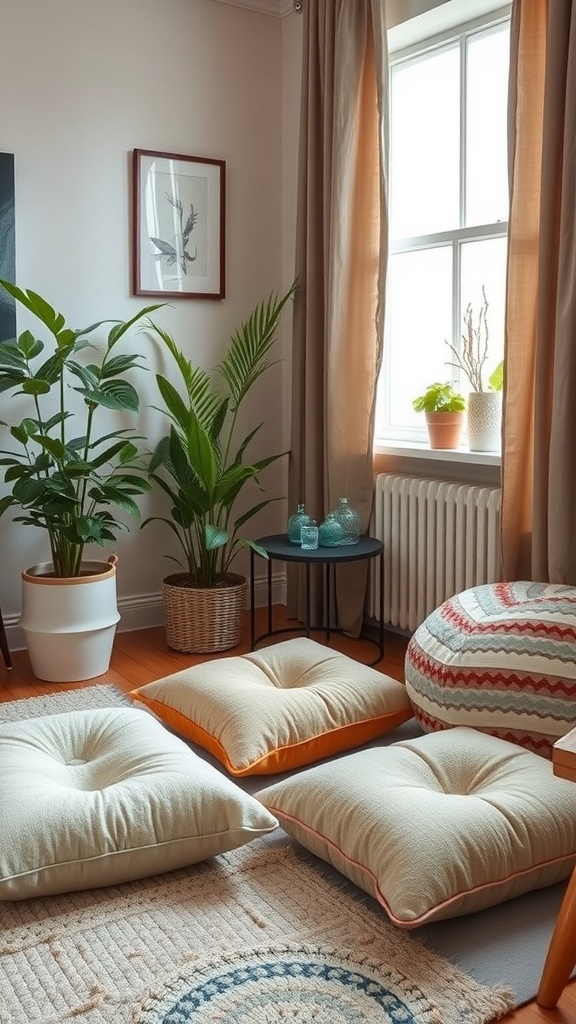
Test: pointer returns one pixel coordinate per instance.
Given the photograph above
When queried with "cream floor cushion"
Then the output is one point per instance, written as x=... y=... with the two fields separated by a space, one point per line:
x=94 y=798
x=273 y=710
x=435 y=827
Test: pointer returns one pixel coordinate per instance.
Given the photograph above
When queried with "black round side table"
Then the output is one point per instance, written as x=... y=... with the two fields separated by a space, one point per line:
x=280 y=548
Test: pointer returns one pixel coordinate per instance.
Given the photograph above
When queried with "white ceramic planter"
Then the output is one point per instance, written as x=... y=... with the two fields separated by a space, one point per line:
x=484 y=421
x=70 y=623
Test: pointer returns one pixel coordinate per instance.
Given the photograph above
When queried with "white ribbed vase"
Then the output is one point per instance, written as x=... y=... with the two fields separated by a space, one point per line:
x=484 y=421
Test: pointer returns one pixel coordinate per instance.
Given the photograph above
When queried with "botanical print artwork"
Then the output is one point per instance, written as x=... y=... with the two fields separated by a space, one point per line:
x=179 y=250
x=7 y=245
x=176 y=219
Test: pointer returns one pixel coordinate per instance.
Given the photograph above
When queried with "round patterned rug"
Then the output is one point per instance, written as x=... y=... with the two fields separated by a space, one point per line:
x=292 y=983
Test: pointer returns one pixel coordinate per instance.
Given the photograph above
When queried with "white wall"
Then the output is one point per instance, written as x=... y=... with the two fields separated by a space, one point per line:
x=85 y=83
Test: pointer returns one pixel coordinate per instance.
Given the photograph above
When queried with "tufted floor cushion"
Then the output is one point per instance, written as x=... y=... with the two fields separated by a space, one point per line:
x=94 y=798
x=501 y=658
x=442 y=825
x=273 y=710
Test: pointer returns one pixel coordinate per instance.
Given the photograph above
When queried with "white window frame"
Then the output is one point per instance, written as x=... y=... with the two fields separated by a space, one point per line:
x=388 y=440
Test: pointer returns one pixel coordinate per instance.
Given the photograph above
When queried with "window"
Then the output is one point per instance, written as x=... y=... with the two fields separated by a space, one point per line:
x=448 y=208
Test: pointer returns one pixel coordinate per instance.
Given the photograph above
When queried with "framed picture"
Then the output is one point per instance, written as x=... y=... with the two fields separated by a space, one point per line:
x=179 y=225
x=7 y=246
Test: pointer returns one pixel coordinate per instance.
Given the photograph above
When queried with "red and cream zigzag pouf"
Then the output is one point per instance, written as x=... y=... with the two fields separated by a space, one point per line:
x=500 y=658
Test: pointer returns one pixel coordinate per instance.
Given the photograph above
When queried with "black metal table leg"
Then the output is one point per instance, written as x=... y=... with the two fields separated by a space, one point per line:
x=252 y=603
x=269 y=595
x=381 y=568
x=328 y=599
x=4 y=644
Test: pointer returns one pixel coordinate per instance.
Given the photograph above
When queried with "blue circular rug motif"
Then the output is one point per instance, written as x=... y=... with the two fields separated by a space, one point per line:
x=301 y=984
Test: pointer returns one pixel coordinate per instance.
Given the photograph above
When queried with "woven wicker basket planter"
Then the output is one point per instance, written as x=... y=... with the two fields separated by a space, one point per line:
x=201 y=620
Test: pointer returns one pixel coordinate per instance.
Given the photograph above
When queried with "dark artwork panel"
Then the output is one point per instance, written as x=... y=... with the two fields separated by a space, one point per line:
x=7 y=245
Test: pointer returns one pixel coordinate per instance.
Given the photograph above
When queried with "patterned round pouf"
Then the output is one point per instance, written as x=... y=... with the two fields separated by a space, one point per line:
x=301 y=984
x=500 y=658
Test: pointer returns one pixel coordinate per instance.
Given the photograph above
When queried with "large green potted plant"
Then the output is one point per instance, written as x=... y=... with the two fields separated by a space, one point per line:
x=69 y=472
x=444 y=411
x=202 y=466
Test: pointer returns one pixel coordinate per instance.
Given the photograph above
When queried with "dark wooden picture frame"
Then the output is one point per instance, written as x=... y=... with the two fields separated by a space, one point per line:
x=179 y=205
x=7 y=245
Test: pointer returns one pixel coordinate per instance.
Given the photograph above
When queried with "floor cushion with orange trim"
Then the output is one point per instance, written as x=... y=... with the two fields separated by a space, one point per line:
x=279 y=708
x=500 y=658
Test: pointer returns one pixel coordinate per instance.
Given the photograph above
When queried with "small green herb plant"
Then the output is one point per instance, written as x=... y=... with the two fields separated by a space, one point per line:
x=69 y=475
x=439 y=398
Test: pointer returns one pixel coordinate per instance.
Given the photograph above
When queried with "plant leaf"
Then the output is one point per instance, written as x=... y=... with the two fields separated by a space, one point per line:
x=113 y=394
x=165 y=248
x=496 y=378
x=215 y=537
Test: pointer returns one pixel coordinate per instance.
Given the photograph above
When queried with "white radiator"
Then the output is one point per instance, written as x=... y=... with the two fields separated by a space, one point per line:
x=439 y=539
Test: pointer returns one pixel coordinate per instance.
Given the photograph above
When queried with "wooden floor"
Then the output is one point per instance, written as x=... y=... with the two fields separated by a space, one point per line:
x=143 y=656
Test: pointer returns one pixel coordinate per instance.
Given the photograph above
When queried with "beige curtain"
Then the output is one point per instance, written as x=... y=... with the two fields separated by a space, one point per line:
x=341 y=250
x=538 y=459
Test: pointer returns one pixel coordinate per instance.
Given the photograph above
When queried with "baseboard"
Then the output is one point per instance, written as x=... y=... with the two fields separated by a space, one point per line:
x=372 y=625
x=143 y=611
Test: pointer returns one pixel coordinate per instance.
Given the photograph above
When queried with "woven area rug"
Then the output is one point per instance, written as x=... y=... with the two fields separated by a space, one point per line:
x=97 y=956
x=66 y=700
x=142 y=953
x=296 y=982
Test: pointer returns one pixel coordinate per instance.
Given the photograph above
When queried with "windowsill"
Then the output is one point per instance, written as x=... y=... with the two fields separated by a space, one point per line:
x=462 y=456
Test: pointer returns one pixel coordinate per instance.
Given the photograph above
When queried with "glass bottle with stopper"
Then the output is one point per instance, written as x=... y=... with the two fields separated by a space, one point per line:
x=295 y=523
x=349 y=520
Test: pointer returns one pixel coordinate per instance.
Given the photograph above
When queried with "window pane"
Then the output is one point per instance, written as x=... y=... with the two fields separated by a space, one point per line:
x=424 y=145
x=419 y=318
x=484 y=264
x=448 y=133
x=486 y=146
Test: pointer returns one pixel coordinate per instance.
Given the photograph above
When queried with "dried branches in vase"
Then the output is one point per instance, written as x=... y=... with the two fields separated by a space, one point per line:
x=484 y=404
x=474 y=353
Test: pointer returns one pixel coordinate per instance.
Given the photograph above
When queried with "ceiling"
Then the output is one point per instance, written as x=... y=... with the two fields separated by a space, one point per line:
x=277 y=8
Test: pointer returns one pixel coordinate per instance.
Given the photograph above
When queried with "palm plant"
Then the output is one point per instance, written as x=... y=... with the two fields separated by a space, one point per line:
x=199 y=464
x=67 y=478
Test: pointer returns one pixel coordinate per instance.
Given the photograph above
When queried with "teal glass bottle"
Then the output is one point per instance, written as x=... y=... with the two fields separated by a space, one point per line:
x=295 y=522
x=330 y=533
x=349 y=520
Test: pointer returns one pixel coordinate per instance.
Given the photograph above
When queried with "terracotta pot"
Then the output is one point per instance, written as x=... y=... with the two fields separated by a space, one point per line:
x=444 y=428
